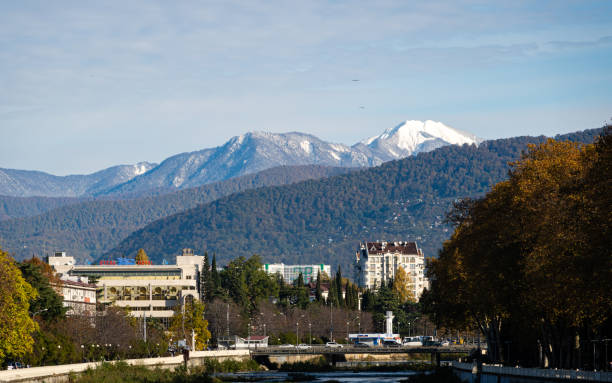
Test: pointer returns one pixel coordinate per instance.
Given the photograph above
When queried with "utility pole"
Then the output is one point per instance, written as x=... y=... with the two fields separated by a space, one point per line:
x=227 y=323
x=310 y=333
x=144 y=324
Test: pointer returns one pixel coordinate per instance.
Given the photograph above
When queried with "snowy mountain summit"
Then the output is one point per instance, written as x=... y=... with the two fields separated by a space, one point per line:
x=245 y=154
x=412 y=137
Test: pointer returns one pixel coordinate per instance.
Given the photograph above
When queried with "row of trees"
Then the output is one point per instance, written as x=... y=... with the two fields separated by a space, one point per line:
x=530 y=263
x=243 y=297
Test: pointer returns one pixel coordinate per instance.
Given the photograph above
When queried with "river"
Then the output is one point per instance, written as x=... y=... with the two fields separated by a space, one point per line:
x=320 y=377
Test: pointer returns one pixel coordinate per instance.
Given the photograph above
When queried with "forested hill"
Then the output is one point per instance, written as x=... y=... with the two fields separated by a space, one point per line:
x=323 y=220
x=18 y=207
x=89 y=229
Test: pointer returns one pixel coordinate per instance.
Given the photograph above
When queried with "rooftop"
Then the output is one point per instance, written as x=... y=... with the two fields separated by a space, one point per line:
x=392 y=247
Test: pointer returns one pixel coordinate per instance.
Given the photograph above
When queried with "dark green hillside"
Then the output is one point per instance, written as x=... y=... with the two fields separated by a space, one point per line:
x=323 y=220
x=17 y=207
x=87 y=230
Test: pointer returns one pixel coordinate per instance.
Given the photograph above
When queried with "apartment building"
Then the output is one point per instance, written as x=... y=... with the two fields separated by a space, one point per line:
x=378 y=262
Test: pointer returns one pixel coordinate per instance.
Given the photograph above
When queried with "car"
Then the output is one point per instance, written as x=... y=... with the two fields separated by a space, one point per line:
x=14 y=366
x=286 y=346
x=303 y=346
x=333 y=345
x=361 y=345
x=444 y=343
x=391 y=343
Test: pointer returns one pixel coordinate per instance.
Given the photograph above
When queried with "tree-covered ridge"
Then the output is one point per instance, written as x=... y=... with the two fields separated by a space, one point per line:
x=89 y=229
x=323 y=220
x=18 y=207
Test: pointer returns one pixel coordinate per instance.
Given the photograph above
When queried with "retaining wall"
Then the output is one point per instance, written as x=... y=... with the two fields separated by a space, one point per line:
x=57 y=374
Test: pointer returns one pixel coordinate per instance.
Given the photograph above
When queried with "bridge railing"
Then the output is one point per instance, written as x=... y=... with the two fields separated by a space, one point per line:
x=551 y=374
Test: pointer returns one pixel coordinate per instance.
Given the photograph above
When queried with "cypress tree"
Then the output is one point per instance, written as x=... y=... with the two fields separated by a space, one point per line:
x=318 y=291
x=205 y=280
x=215 y=278
x=339 y=287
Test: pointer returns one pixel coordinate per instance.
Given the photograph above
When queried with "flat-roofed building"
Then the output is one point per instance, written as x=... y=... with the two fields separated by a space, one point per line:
x=291 y=272
x=378 y=262
x=145 y=289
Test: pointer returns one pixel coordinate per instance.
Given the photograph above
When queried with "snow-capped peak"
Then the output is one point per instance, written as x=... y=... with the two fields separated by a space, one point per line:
x=412 y=136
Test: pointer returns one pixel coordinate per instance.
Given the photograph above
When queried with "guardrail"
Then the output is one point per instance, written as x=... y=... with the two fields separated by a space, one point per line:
x=551 y=374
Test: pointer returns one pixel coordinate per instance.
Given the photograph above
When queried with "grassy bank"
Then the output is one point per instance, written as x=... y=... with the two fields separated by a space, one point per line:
x=121 y=372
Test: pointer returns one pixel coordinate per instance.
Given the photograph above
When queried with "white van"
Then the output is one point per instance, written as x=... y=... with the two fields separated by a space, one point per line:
x=414 y=341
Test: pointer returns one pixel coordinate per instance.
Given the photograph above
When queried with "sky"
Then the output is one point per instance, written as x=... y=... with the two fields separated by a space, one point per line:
x=89 y=85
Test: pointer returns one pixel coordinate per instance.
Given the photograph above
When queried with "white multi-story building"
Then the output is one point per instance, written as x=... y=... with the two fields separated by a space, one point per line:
x=377 y=263
x=78 y=295
x=291 y=272
x=145 y=289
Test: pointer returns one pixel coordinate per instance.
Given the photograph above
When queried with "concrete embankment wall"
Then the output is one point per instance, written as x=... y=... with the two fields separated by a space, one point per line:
x=497 y=374
x=59 y=374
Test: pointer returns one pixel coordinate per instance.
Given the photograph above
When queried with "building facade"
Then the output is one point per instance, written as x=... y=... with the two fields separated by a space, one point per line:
x=291 y=272
x=78 y=295
x=144 y=289
x=378 y=262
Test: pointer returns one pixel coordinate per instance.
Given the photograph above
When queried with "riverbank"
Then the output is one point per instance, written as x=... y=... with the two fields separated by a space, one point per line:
x=121 y=372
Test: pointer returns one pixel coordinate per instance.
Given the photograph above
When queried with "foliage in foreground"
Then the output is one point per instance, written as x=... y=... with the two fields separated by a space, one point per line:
x=530 y=263
x=121 y=372
x=16 y=324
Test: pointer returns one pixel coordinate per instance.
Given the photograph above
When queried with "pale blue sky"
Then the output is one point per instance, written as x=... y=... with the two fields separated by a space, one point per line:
x=87 y=85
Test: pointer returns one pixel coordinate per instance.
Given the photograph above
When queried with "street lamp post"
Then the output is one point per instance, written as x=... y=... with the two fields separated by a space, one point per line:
x=297 y=333
x=310 y=333
x=409 y=333
x=347 y=336
x=38 y=312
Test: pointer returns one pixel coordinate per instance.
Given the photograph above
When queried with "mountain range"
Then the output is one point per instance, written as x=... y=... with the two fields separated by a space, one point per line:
x=241 y=155
x=323 y=220
x=87 y=228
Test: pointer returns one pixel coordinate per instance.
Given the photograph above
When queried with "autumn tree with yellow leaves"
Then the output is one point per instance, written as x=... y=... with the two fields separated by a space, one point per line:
x=402 y=286
x=141 y=256
x=16 y=324
x=530 y=263
x=187 y=318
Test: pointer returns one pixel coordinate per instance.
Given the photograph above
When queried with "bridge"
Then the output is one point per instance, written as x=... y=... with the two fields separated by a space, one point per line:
x=278 y=355
x=363 y=350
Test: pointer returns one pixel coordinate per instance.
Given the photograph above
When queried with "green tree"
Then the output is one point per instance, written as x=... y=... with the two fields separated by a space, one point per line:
x=301 y=292
x=16 y=324
x=215 y=278
x=48 y=304
x=206 y=279
x=338 y=287
x=247 y=282
x=318 y=290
